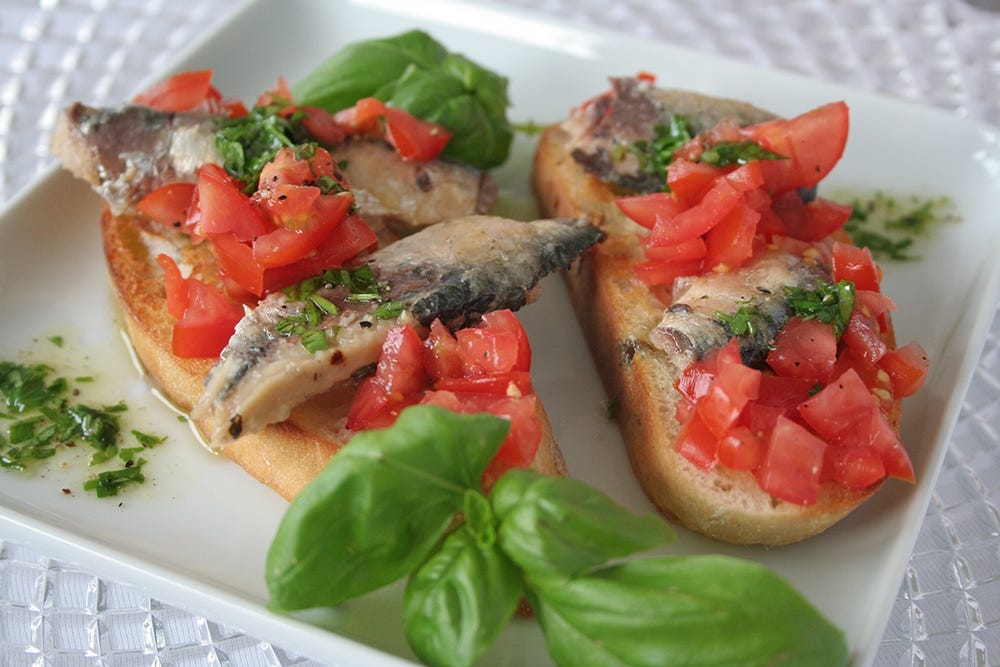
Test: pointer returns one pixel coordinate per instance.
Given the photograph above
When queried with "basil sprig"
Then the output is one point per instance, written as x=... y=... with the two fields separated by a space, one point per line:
x=407 y=501
x=413 y=71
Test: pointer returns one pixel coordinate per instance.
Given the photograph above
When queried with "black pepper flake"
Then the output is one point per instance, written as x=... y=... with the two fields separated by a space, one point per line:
x=365 y=324
x=67 y=492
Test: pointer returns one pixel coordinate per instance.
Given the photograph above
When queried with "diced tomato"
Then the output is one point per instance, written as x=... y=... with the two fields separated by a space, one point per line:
x=698 y=444
x=349 y=238
x=175 y=285
x=225 y=208
x=280 y=94
x=236 y=263
x=907 y=367
x=655 y=273
x=717 y=203
x=855 y=264
x=506 y=320
x=398 y=379
x=813 y=142
x=441 y=355
x=486 y=351
x=864 y=338
x=369 y=406
x=180 y=92
x=812 y=221
x=168 y=204
x=792 y=463
x=730 y=243
x=322 y=126
x=853 y=467
x=873 y=431
x=512 y=383
x=205 y=317
x=837 y=407
x=694 y=382
x=645 y=209
x=286 y=245
x=732 y=388
x=414 y=139
x=740 y=449
x=689 y=181
x=805 y=349
x=290 y=206
x=365 y=117
x=695 y=249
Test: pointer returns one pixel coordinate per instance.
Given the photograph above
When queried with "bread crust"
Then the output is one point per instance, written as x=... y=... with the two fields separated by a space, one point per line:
x=284 y=456
x=616 y=313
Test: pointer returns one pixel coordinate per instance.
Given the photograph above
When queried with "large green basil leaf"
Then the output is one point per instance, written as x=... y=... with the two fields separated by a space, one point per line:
x=561 y=527
x=414 y=72
x=701 y=610
x=380 y=506
x=460 y=599
x=363 y=67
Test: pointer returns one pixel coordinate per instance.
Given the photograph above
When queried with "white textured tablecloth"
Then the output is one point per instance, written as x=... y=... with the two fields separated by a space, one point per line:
x=943 y=53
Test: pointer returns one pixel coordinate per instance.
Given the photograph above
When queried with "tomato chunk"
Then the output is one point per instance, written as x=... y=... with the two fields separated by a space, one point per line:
x=792 y=464
x=907 y=367
x=804 y=349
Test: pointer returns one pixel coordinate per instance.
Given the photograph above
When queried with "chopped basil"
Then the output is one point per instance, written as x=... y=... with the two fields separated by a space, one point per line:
x=41 y=419
x=362 y=286
x=743 y=321
x=727 y=153
x=110 y=482
x=831 y=303
x=890 y=226
x=248 y=143
x=655 y=154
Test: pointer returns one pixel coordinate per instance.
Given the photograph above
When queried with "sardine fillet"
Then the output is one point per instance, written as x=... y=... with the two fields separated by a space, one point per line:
x=454 y=271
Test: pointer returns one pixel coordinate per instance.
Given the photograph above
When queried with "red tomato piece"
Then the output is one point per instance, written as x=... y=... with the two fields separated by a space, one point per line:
x=804 y=349
x=853 y=467
x=689 y=181
x=290 y=206
x=181 y=92
x=506 y=320
x=698 y=444
x=365 y=117
x=655 y=273
x=792 y=463
x=414 y=139
x=175 y=285
x=168 y=204
x=286 y=169
x=513 y=384
x=322 y=126
x=813 y=142
x=224 y=208
x=695 y=249
x=837 y=407
x=907 y=367
x=812 y=221
x=441 y=355
x=731 y=242
x=348 y=239
x=733 y=387
x=645 y=209
x=740 y=449
x=696 y=379
x=717 y=203
x=236 y=262
x=855 y=264
x=485 y=351
x=286 y=245
x=400 y=369
x=207 y=323
x=369 y=406
x=864 y=338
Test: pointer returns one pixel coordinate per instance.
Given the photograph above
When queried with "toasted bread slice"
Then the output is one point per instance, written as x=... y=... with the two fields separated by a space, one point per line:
x=617 y=312
x=284 y=456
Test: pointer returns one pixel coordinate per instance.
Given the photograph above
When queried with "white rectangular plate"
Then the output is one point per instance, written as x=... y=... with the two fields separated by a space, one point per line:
x=196 y=535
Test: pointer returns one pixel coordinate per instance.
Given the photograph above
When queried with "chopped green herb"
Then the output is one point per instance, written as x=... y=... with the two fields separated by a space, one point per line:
x=831 y=303
x=146 y=440
x=743 y=321
x=41 y=419
x=889 y=226
x=56 y=340
x=654 y=155
x=727 y=153
x=110 y=482
x=361 y=286
x=529 y=127
x=247 y=144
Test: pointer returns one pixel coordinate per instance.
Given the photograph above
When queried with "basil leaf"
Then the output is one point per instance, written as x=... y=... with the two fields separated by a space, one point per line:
x=414 y=72
x=727 y=153
x=379 y=507
x=363 y=67
x=457 y=603
x=562 y=527
x=705 y=610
